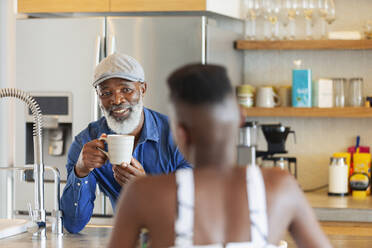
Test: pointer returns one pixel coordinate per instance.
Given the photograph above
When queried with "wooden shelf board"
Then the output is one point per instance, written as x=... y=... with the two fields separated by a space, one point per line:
x=304 y=45
x=347 y=112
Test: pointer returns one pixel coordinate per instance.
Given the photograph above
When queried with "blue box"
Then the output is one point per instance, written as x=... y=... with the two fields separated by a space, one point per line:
x=301 y=88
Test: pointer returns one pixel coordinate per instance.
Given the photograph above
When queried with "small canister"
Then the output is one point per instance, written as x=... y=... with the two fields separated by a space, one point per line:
x=338 y=177
x=245 y=95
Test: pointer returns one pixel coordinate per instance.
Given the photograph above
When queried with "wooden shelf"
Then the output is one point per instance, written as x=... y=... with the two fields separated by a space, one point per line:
x=347 y=112
x=304 y=45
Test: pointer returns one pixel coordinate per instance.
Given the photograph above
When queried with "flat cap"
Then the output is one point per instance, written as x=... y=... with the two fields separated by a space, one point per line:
x=118 y=65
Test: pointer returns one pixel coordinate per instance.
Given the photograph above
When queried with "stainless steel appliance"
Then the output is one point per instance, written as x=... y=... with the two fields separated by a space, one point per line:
x=57 y=120
x=247 y=143
x=59 y=55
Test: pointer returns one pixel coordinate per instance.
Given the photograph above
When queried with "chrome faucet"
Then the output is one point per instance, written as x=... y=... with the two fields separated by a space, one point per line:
x=38 y=213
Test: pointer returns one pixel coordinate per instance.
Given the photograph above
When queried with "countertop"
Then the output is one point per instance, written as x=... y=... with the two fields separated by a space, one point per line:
x=336 y=208
x=346 y=221
x=96 y=234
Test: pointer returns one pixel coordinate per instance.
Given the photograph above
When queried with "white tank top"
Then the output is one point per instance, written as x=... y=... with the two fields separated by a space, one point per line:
x=184 y=225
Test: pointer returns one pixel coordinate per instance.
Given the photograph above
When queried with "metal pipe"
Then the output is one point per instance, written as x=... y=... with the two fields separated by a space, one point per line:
x=57 y=226
x=39 y=211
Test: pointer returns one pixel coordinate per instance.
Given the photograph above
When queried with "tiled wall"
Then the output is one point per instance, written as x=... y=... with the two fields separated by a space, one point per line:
x=318 y=138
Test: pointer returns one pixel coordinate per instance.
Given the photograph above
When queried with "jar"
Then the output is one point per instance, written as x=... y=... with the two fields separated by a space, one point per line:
x=338 y=177
x=245 y=95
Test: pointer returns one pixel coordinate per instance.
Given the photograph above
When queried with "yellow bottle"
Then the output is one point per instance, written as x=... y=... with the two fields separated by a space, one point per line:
x=362 y=164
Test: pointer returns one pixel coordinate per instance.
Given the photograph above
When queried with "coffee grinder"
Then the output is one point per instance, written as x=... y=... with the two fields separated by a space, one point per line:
x=276 y=136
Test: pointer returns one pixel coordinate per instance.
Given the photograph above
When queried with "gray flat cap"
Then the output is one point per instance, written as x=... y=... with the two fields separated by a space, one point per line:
x=118 y=65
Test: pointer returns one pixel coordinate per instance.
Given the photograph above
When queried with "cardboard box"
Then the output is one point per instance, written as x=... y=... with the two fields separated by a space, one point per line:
x=301 y=88
x=323 y=93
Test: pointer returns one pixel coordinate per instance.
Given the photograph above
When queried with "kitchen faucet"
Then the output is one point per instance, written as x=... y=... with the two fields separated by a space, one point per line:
x=38 y=214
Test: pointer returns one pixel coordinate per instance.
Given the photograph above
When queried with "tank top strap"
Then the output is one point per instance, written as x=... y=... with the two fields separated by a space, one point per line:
x=184 y=226
x=257 y=206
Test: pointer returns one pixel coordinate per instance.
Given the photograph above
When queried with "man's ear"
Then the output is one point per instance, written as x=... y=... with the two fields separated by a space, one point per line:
x=143 y=87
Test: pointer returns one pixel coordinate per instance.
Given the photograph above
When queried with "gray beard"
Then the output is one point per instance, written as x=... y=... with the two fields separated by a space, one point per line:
x=128 y=125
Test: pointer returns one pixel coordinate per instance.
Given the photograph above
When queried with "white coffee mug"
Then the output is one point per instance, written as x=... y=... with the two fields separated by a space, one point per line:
x=120 y=148
x=266 y=97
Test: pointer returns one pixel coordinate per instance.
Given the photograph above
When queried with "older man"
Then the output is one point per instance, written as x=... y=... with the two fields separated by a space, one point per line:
x=120 y=84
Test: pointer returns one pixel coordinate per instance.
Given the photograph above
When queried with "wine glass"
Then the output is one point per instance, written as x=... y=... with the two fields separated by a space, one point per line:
x=289 y=11
x=252 y=10
x=328 y=14
x=308 y=7
x=271 y=13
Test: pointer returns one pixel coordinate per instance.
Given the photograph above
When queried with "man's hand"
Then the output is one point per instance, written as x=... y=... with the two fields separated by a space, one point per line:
x=90 y=157
x=125 y=172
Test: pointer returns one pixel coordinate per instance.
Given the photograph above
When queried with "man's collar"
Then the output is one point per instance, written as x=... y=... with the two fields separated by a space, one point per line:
x=149 y=129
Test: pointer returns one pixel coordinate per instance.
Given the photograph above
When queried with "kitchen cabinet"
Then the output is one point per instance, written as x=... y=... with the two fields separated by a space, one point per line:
x=159 y=5
x=229 y=8
x=53 y=6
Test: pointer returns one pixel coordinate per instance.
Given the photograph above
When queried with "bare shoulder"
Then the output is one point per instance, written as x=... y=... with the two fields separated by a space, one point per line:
x=150 y=185
x=281 y=186
x=149 y=188
x=279 y=179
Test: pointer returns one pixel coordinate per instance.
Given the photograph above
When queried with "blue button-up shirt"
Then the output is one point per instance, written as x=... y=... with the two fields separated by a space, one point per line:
x=155 y=150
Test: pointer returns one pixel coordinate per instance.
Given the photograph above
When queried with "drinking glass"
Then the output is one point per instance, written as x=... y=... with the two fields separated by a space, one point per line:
x=368 y=29
x=327 y=12
x=356 y=92
x=308 y=7
x=271 y=13
x=339 y=92
x=253 y=9
x=289 y=11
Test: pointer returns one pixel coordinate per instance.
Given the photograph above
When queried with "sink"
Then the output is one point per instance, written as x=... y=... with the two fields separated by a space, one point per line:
x=10 y=227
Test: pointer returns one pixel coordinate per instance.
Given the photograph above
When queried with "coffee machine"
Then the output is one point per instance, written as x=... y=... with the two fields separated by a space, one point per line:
x=276 y=136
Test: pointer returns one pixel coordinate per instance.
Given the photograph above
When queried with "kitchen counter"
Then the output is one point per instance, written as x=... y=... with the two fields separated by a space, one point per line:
x=346 y=221
x=335 y=208
x=95 y=234
x=344 y=234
